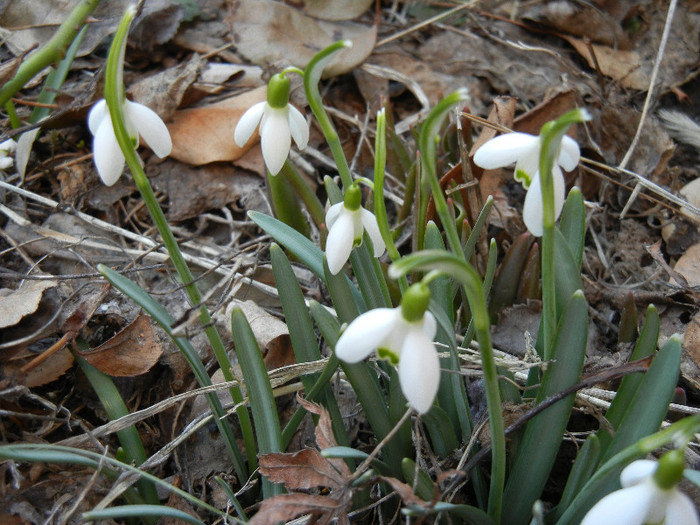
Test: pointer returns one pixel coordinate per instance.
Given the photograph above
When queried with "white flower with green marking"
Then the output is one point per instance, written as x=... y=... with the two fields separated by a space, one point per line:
x=403 y=336
x=346 y=222
x=279 y=122
x=523 y=150
x=140 y=121
x=649 y=495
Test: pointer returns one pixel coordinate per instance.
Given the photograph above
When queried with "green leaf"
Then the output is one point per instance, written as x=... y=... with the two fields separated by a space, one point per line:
x=543 y=434
x=140 y=511
x=649 y=405
x=583 y=469
x=646 y=346
x=163 y=318
x=567 y=275
x=259 y=392
x=573 y=224
x=442 y=435
x=471 y=515
x=424 y=487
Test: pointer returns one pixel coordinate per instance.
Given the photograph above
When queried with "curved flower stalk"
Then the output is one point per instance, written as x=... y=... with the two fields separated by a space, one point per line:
x=524 y=149
x=6 y=149
x=649 y=495
x=346 y=222
x=279 y=123
x=140 y=120
x=404 y=337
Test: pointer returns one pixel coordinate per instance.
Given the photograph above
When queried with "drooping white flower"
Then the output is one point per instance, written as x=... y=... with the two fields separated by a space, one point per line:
x=405 y=343
x=642 y=500
x=279 y=121
x=139 y=120
x=6 y=149
x=523 y=149
x=346 y=222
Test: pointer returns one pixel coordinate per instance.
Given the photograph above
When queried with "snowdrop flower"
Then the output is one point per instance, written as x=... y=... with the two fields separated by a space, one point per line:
x=346 y=222
x=139 y=120
x=279 y=123
x=649 y=495
x=523 y=149
x=404 y=337
x=6 y=149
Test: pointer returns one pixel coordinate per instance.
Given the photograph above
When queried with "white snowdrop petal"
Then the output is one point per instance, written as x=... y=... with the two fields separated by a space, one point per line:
x=532 y=208
x=8 y=146
x=275 y=139
x=429 y=325
x=628 y=506
x=529 y=163
x=637 y=471
x=333 y=213
x=681 y=510
x=340 y=241
x=108 y=156
x=97 y=114
x=150 y=126
x=504 y=150
x=6 y=162
x=364 y=335
x=248 y=123
x=419 y=369
x=569 y=154
x=369 y=223
x=298 y=127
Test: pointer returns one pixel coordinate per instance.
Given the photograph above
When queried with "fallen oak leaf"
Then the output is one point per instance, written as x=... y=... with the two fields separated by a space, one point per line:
x=301 y=470
x=286 y=507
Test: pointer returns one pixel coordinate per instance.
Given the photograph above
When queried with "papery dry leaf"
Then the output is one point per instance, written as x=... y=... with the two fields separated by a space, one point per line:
x=324 y=433
x=205 y=134
x=688 y=266
x=41 y=374
x=335 y=9
x=286 y=507
x=405 y=492
x=16 y=304
x=690 y=363
x=301 y=471
x=268 y=32
x=131 y=352
x=622 y=65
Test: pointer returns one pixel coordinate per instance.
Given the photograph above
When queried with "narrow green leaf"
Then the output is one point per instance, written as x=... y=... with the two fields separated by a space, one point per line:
x=583 y=469
x=259 y=392
x=646 y=346
x=140 y=511
x=567 y=275
x=477 y=229
x=573 y=224
x=302 y=335
x=442 y=435
x=423 y=486
x=650 y=402
x=543 y=434
x=469 y=514
x=163 y=318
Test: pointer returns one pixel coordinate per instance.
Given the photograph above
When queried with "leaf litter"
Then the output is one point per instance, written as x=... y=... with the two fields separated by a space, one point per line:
x=543 y=58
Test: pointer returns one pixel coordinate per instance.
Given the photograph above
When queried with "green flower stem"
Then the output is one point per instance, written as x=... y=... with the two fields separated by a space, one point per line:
x=428 y=155
x=115 y=96
x=313 y=73
x=51 y=52
x=551 y=136
x=308 y=196
x=456 y=267
x=285 y=205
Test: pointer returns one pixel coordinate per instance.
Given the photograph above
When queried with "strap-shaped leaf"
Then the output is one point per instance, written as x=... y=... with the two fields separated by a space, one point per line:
x=573 y=224
x=543 y=434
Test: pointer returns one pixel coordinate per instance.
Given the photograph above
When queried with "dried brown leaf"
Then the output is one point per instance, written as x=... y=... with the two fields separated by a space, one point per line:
x=405 y=492
x=268 y=32
x=301 y=471
x=289 y=506
x=324 y=433
x=16 y=304
x=335 y=9
x=131 y=352
x=205 y=134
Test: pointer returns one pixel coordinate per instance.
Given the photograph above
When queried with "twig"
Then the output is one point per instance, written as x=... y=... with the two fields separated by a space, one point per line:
x=647 y=103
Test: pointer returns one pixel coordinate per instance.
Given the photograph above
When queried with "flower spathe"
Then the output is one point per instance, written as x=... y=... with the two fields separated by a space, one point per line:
x=524 y=149
x=642 y=500
x=279 y=123
x=346 y=222
x=6 y=149
x=139 y=120
x=407 y=344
